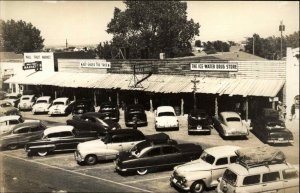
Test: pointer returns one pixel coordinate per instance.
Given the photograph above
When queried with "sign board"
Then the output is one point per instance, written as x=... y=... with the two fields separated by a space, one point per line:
x=94 y=64
x=34 y=61
x=37 y=65
x=229 y=67
x=143 y=68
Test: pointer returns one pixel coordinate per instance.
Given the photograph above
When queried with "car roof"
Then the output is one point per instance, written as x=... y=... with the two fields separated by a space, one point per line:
x=165 y=108
x=44 y=98
x=58 y=129
x=61 y=99
x=243 y=171
x=27 y=124
x=222 y=151
x=10 y=117
x=227 y=114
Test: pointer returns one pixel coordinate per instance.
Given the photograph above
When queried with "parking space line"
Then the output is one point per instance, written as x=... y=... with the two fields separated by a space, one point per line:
x=48 y=157
x=74 y=172
x=103 y=166
x=146 y=180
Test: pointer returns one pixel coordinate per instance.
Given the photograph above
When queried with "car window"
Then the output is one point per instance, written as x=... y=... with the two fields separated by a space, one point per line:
x=37 y=128
x=22 y=130
x=254 y=179
x=233 y=159
x=222 y=161
x=290 y=173
x=3 y=123
x=154 y=152
x=165 y=114
x=118 y=139
x=169 y=150
x=13 y=122
x=25 y=98
x=58 y=103
x=229 y=177
x=269 y=177
x=6 y=105
x=53 y=135
x=66 y=134
x=233 y=119
x=41 y=101
x=207 y=158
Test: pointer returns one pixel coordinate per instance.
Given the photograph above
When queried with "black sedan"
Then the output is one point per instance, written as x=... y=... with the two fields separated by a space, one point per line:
x=93 y=121
x=82 y=106
x=146 y=156
x=135 y=115
x=110 y=111
x=199 y=122
x=271 y=129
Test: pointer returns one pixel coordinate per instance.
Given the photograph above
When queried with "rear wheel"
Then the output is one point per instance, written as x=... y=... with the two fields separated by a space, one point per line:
x=12 y=146
x=197 y=187
x=90 y=160
x=142 y=171
x=42 y=153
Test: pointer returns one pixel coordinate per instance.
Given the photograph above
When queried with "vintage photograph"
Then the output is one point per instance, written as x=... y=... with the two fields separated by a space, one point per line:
x=149 y=96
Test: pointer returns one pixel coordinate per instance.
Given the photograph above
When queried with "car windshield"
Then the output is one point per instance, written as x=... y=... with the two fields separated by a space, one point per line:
x=229 y=177
x=166 y=114
x=198 y=114
x=12 y=97
x=233 y=119
x=58 y=103
x=25 y=98
x=207 y=158
x=41 y=101
x=136 y=150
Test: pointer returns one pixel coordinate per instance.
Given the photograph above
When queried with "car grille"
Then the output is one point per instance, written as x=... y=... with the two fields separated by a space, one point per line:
x=177 y=177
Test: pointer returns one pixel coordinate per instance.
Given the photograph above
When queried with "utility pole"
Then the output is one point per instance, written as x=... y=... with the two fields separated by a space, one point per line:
x=66 y=43
x=253 y=48
x=281 y=29
x=195 y=81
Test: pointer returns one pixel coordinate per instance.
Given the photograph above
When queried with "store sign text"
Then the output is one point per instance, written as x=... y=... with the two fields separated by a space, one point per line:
x=232 y=67
x=95 y=64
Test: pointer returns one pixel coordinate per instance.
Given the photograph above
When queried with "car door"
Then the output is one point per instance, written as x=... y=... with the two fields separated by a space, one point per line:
x=251 y=183
x=36 y=132
x=66 y=141
x=115 y=146
x=290 y=180
x=171 y=156
x=271 y=182
x=151 y=159
x=219 y=167
x=21 y=135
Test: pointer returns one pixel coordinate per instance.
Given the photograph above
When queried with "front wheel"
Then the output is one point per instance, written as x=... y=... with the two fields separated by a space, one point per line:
x=90 y=160
x=42 y=153
x=197 y=187
x=142 y=171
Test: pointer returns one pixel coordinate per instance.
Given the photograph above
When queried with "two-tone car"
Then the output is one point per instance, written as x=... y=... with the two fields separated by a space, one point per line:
x=26 y=102
x=82 y=106
x=165 y=118
x=197 y=175
x=147 y=157
x=199 y=122
x=21 y=134
x=6 y=108
x=13 y=98
x=230 y=124
x=8 y=122
x=59 y=138
x=61 y=106
x=42 y=105
x=135 y=115
x=110 y=111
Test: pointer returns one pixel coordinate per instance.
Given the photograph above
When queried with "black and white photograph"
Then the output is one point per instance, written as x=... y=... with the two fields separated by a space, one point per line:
x=149 y=96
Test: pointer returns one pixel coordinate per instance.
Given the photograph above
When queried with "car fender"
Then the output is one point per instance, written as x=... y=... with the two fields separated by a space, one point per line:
x=204 y=175
x=48 y=147
x=101 y=153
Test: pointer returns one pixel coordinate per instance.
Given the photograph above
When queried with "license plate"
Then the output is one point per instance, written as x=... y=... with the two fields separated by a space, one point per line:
x=199 y=127
x=280 y=139
x=174 y=180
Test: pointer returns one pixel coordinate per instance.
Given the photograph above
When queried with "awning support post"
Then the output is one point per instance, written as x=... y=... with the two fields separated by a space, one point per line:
x=118 y=99
x=55 y=94
x=247 y=110
x=74 y=95
x=151 y=105
x=182 y=106
x=273 y=104
x=216 y=105
x=95 y=98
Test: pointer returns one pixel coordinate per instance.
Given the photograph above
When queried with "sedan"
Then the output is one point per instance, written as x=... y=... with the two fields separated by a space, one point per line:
x=61 y=106
x=229 y=124
x=199 y=122
x=110 y=111
x=135 y=114
x=6 y=108
x=165 y=118
x=93 y=121
x=42 y=105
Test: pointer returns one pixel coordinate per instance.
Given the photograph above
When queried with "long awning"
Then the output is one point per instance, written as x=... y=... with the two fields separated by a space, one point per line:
x=155 y=83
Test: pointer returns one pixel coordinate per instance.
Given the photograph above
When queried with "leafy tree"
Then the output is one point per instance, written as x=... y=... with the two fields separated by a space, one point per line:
x=198 y=43
x=147 y=28
x=20 y=37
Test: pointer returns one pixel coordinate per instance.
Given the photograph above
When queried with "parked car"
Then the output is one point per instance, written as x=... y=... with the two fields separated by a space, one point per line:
x=13 y=98
x=261 y=171
x=59 y=138
x=229 y=124
x=2 y=95
x=114 y=142
x=26 y=102
x=83 y=106
x=61 y=106
x=21 y=134
x=42 y=105
x=197 y=175
x=92 y=121
x=135 y=114
x=110 y=111
x=8 y=122
x=7 y=109
x=165 y=118
x=145 y=158
x=199 y=122
x=269 y=128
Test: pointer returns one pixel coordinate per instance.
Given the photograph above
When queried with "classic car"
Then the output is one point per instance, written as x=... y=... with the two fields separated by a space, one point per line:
x=144 y=158
x=2 y=95
x=61 y=106
x=229 y=124
x=59 y=138
x=83 y=106
x=110 y=111
x=114 y=142
x=21 y=134
x=203 y=173
x=135 y=114
x=42 y=105
x=93 y=121
x=7 y=109
x=268 y=127
x=199 y=122
x=13 y=98
x=165 y=118
x=8 y=122
x=26 y=102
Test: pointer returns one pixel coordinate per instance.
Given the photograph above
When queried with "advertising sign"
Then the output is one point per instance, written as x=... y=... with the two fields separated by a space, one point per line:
x=94 y=64
x=37 y=65
x=35 y=61
x=230 y=67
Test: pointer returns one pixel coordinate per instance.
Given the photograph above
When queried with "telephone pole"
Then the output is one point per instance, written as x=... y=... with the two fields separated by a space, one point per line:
x=195 y=81
x=281 y=29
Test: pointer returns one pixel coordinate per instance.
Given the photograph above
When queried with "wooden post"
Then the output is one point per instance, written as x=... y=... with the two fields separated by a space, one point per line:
x=118 y=99
x=95 y=98
x=247 y=110
x=55 y=94
x=216 y=106
x=182 y=106
x=151 y=105
x=74 y=95
x=273 y=103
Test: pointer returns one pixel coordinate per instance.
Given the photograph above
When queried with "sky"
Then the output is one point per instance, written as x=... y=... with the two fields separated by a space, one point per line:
x=85 y=22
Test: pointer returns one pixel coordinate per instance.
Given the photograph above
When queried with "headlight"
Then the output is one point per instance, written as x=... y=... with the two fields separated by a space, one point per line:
x=184 y=180
x=114 y=128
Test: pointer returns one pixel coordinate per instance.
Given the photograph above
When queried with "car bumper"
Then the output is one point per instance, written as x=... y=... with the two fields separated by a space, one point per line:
x=236 y=134
x=138 y=123
x=167 y=126
x=179 y=185
x=40 y=110
x=279 y=141
x=78 y=157
x=56 y=112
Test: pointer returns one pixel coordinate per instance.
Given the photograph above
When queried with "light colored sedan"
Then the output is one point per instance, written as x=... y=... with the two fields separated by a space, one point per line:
x=8 y=122
x=165 y=118
x=230 y=124
x=42 y=105
x=60 y=106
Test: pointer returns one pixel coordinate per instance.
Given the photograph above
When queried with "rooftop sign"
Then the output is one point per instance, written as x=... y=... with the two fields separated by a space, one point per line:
x=229 y=67
x=94 y=64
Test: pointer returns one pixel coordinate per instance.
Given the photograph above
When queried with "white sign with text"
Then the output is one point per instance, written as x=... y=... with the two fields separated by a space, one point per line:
x=232 y=67
x=94 y=64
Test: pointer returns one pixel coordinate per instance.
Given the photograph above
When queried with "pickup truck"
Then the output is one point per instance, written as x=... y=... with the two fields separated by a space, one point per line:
x=114 y=142
x=59 y=138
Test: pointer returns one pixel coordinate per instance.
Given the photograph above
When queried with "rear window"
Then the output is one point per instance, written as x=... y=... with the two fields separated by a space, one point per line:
x=251 y=180
x=290 y=173
x=58 y=103
x=41 y=101
x=25 y=98
x=233 y=119
x=272 y=176
x=229 y=177
x=166 y=114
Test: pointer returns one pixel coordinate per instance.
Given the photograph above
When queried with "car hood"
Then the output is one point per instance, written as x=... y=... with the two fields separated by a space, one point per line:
x=193 y=166
x=93 y=144
x=166 y=119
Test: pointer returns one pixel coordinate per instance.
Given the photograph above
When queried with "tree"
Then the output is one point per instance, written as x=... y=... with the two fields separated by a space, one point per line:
x=198 y=43
x=20 y=37
x=147 y=28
